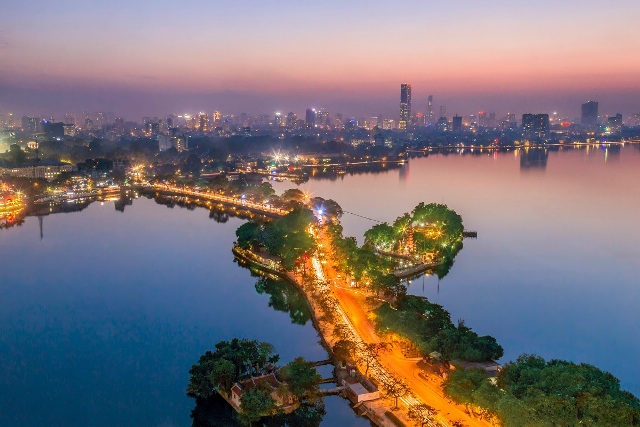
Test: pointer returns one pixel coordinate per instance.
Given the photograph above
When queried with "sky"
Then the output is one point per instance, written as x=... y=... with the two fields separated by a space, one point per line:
x=139 y=58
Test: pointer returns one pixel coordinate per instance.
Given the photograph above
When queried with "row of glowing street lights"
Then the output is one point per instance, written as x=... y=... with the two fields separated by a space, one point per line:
x=375 y=367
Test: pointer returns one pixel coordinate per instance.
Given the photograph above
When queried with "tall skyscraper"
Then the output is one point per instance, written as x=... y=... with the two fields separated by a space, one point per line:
x=431 y=117
x=291 y=120
x=338 y=121
x=203 y=122
x=217 y=118
x=590 y=113
x=456 y=124
x=310 y=118
x=322 y=119
x=405 y=105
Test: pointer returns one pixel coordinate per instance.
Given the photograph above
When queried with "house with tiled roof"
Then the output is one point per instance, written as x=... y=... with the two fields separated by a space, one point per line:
x=285 y=400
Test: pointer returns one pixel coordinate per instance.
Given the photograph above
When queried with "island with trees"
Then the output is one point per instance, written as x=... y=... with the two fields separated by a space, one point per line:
x=245 y=373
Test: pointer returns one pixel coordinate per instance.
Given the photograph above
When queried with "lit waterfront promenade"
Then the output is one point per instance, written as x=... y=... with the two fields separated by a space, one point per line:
x=351 y=316
x=262 y=208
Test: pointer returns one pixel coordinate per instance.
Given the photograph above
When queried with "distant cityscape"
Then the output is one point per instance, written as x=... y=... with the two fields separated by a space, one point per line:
x=36 y=147
x=172 y=130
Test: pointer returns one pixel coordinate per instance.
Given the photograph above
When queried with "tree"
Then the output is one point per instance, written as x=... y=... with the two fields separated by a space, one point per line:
x=381 y=237
x=255 y=404
x=248 y=234
x=532 y=391
x=369 y=353
x=462 y=383
x=332 y=208
x=341 y=331
x=301 y=378
x=222 y=374
x=292 y=198
x=421 y=413
x=16 y=155
x=288 y=236
x=344 y=349
x=395 y=388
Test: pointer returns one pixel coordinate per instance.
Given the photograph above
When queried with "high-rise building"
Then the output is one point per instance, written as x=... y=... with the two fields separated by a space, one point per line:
x=30 y=124
x=535 y=125
x=614 y=123
x=388 y=124
x=263 y=120
x=291 y=120
x=509 y=122
x=405 y=105
x=443 y=111
x=203 y=122
x=338 y=122
x=70 y=129
x=443 y=124
x=590 y=113
x=310 y=118
x=278 y=120
x=482 y=119
x=431 y=117
x=322 y=119
x=217 y=118
x=456 y=124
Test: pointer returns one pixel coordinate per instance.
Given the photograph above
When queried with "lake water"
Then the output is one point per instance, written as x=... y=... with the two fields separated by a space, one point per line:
x=555 y=270
x=102 y=318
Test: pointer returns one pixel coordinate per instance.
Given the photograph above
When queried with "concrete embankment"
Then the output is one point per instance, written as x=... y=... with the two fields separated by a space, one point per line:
x=374 y=410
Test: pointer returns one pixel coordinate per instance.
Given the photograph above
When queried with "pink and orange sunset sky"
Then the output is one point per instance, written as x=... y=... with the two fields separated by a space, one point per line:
x=140 y=58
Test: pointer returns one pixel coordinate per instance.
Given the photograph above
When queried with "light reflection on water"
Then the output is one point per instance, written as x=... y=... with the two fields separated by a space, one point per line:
x=102 y=319
x=555 y=268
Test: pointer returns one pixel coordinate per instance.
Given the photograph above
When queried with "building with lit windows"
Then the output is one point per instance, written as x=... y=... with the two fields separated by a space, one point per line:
x=405 y=105
x=48 y=170
x=291 y=120
x=203 y=122
x=431 y=117
x=456 y=123
x=535 y=125
x=310 y=118
x=590 y=113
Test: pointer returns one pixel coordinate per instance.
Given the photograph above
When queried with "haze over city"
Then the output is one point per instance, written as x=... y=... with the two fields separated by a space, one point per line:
x=261 y=57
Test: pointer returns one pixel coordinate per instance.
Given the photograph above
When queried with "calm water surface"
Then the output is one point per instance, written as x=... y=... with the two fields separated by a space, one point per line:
x=102 y=319
x=555 y=270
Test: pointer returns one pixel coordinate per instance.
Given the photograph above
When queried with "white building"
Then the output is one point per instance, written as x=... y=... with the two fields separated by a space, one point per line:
x=44 y=169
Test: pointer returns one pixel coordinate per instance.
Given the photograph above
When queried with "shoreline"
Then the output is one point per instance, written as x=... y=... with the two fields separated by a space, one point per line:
x=381 y=411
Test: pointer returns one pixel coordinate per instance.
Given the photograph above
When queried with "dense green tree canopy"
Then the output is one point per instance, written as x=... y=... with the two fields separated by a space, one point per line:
x=302 y=379
x=429 y=326
x=287 y=237
x=532 y=392
x=381 y=237
x=256 y=403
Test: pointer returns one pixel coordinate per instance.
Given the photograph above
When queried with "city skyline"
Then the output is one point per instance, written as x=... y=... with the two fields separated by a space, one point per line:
x=263 y=57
